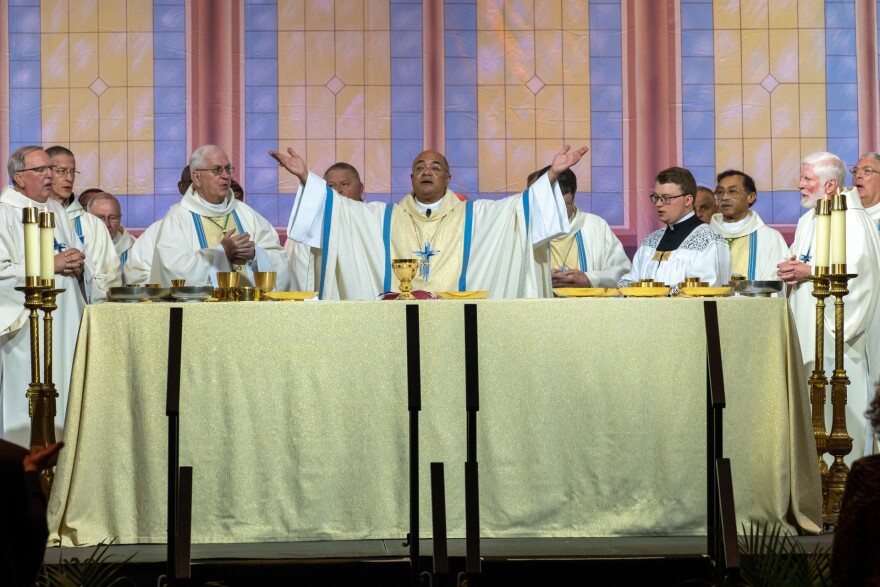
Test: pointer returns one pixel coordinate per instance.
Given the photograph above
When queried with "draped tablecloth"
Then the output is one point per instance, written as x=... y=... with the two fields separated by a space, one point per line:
x=294 y=418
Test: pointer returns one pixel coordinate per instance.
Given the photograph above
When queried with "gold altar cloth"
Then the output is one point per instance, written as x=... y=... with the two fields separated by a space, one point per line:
x=294 y=418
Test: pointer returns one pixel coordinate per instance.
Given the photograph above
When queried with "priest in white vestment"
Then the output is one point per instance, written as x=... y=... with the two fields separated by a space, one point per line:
x=105 y=207
x=30 y=170
x=590 y=255
x=866 y=180
x=211 y=231
x=139 y=262
x=686 y=247
x=755 y=249
x=96 y=244
x=482 y=245
x=305 y=261
x=822 y=174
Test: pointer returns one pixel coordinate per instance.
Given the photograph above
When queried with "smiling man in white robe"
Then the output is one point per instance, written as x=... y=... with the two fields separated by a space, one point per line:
x=30 y=171
x=482 y=245
x=211 y=231
x=755 y=248
x=822 y=174
x=686 y=247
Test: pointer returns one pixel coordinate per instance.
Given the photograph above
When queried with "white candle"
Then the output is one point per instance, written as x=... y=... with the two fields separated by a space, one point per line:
x=31 y=242
x=47 y=245
x=823 y=233
x=838 y=229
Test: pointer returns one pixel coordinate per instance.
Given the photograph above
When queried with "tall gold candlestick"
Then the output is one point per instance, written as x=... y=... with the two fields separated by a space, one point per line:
x=839 y=441
x=45 y=427
x=818 y=382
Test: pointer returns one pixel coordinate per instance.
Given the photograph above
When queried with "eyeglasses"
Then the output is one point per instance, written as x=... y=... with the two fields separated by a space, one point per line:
x=866 y=171
x=110 y=219
x=665 y=199
x=38 y=170
x=733 y=192
x=434 y=169
x=218 y=170
x=62 y=171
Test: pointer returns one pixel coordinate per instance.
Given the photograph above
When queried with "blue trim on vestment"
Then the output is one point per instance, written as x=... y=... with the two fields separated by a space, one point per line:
x=237 y=222
x=200 y=230
x=582 y=252
x=526 y=209
x=386 y=241
x=325 y=238
x=753 y=250
x=466 y=252
x=77 y=225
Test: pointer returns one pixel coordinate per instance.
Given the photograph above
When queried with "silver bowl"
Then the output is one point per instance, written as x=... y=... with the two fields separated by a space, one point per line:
x=129 y=293
x=158 y=293
x=757 y=289
x=192 y=293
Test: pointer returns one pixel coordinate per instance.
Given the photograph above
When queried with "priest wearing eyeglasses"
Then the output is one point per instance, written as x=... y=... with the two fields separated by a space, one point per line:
x=96 y=243
x=211 y=231
x=755 y=248
x=866 y=180
x=474 y=245
x=30 y=171
x=686 y=247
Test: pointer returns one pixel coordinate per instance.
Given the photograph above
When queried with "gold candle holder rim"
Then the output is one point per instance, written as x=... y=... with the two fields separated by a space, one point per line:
x=47 y=219
x=30 y=215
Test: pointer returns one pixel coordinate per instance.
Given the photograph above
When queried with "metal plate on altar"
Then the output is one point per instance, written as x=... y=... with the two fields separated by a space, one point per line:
x=757 y=289
x=128 y=294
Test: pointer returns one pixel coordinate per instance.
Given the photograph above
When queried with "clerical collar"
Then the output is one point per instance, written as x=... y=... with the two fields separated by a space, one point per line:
x=218 y=208
x=680 y=223
x=423 y=208
x=735 y=226
x=675 y=234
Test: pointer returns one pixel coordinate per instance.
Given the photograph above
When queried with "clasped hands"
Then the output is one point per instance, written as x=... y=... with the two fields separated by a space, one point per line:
x=792 y=272
x=569 y=278
x=70 y=263
x=238 y=247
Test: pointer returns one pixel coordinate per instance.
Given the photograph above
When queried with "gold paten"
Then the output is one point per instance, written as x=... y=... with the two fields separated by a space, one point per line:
x=405 y=270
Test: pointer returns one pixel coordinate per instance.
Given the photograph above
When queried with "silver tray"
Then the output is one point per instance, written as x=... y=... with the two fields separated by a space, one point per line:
x=192 y=293
x=128 y=293
x=757 y=289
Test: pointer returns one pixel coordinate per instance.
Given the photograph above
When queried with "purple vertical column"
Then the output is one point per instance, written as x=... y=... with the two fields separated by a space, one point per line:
x=407 y=115
x=460 y=57
x=261 y=109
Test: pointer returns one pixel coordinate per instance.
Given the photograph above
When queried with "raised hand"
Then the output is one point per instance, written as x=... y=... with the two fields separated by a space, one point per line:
x=292 y=162
x=565 y=158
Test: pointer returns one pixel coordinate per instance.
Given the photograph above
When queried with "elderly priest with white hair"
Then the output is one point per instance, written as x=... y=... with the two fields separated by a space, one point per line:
x=490 y=245
x=210 y=231
x=30 y=171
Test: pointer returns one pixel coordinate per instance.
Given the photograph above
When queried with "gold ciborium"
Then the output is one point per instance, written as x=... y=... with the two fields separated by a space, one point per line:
x=227 y=279
x=265 y=280
x=405 y=270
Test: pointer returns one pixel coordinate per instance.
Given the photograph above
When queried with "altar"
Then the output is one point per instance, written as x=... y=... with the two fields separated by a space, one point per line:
x=294 y=418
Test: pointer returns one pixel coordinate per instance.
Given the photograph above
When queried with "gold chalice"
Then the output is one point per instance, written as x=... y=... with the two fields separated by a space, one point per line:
x=227 y=279
x=265 y=280
x=405 y=270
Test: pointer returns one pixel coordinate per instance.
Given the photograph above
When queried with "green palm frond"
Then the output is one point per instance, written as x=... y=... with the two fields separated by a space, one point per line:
x=771 y=557
x=93 y=571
